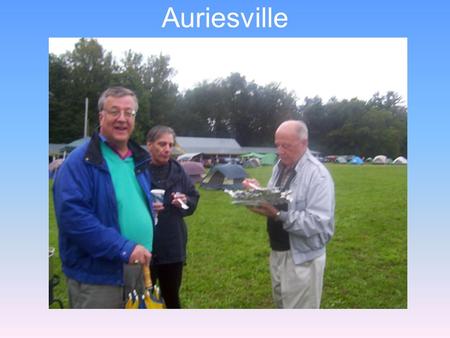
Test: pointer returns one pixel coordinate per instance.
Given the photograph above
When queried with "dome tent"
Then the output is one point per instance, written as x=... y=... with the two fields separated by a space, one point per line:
x=252 y=155
x=356 y=160
x=195 y=170
x=252 y=163
x=379 y=159
x=341 y=159
x=269 y=159
x=224 y=176
x=400 y=160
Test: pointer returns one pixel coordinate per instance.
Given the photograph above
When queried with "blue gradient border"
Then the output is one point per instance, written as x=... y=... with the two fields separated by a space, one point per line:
x=25 y=29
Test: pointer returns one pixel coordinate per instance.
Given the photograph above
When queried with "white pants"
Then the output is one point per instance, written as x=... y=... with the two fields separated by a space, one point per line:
x=296 y=286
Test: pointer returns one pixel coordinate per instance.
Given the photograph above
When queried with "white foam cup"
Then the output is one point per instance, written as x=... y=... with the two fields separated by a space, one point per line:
x=158 y=194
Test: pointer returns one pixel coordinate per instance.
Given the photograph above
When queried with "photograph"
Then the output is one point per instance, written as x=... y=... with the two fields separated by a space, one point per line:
x=290 y=157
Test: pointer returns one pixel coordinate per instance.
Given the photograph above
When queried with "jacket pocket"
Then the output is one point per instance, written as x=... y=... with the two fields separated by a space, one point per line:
x=306 y=244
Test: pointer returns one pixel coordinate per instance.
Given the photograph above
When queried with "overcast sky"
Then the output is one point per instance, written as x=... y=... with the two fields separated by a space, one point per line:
x=324 y=67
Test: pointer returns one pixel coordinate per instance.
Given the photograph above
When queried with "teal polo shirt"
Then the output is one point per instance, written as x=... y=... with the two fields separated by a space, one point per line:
x=133 y=212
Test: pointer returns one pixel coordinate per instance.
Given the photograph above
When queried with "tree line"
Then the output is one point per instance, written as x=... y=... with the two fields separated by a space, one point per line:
x=226 y=107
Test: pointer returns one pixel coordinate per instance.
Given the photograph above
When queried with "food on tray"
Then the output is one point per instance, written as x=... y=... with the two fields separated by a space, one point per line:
x=255 y=197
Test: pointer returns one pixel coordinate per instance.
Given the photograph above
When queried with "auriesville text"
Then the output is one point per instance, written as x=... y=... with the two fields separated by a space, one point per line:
x=262 y=17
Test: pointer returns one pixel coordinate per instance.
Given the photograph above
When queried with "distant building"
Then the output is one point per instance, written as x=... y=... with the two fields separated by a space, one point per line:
x=209 y=145
x=261 y=150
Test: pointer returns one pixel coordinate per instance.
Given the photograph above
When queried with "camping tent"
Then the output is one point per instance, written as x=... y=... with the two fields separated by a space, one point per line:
x=251 y=155
x=269 y=159
x=356 y=160
x=252 y=163
x=341 y=159
x=379 y=159
x=195 y=170
x=224 y=176
x=400 y=160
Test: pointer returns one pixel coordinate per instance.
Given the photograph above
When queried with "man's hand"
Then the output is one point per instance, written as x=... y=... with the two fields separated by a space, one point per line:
x=140 y=255
x=265 y=209
x=251 y=183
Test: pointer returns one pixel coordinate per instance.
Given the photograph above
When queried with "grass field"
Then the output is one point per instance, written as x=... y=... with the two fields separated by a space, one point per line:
x=228 y=249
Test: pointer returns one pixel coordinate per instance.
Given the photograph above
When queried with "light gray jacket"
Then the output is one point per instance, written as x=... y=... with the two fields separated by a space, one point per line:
x=310 y=216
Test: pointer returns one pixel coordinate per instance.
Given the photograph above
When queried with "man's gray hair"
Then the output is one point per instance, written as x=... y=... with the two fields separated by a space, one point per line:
x=117 y=92
x=156 y=132
x=302 y=130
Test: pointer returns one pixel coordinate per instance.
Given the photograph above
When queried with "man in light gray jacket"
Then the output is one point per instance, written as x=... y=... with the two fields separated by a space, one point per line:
x=298 y=231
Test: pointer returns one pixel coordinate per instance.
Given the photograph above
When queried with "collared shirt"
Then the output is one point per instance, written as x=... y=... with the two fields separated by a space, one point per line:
x=114 y=148
x=286 y=176
x=278 y=237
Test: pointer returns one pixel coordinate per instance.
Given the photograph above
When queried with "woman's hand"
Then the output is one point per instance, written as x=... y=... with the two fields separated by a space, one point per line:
x=179 y=200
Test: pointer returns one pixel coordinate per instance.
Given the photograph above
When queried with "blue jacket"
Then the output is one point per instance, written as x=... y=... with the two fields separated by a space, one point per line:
x=91 y=247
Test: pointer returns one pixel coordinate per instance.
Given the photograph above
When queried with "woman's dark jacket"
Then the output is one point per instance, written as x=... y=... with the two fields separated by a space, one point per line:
x=170 y=234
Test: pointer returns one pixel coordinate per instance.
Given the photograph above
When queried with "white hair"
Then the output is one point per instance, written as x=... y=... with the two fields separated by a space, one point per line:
x=302 y=130
x=296 y=126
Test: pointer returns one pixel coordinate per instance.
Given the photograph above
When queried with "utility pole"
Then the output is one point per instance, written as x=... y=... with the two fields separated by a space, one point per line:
x=86 y=104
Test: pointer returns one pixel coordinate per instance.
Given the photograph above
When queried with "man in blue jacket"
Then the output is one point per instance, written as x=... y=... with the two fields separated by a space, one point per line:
x=103 y=208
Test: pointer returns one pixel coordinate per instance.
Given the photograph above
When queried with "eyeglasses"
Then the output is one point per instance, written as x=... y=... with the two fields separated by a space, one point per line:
x=128 y=113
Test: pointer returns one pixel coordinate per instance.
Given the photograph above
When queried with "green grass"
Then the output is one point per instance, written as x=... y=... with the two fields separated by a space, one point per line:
x=228 y=249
